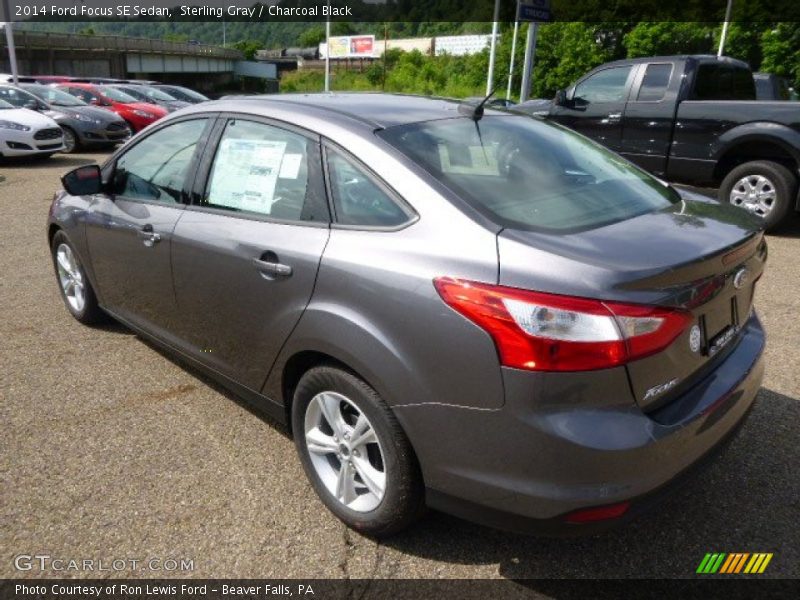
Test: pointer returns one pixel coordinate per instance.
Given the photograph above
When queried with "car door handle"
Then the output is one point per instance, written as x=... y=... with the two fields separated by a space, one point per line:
x=148 y=236
x=272 y=270
x=614 y=117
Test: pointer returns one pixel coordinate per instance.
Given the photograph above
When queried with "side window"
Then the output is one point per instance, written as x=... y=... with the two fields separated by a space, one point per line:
x=607 y=85
x=715 y=81
x=654 y=83
x=265 y=170
x=155 y=168
x=13 y=97
x=358 y=200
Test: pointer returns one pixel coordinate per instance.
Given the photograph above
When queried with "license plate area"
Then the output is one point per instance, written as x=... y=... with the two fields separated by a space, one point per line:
x=720 y=325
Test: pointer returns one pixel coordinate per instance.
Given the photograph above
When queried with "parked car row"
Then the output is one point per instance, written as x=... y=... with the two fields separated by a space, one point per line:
x=69 y=113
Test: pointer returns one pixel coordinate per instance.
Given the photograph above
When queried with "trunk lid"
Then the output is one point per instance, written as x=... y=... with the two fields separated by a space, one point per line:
x=696 y=256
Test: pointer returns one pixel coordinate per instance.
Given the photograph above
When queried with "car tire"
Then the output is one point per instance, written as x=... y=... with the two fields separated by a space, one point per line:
x=71 y=143
x=74 y=285
x=388 y=463
x=765 y=188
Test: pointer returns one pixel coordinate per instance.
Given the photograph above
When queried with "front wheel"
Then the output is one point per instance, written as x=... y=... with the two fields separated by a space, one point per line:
x=70 y=141
x=764 y=188
x=76 y=291
x=354 y=452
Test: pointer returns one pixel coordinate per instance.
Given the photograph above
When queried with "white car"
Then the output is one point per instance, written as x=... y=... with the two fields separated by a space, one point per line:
x=25 y=132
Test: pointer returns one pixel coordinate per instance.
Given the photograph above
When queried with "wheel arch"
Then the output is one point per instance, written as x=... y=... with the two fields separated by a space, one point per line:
x=749 y=143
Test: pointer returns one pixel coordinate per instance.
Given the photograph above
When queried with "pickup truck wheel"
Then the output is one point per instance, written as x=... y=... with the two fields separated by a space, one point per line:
x=764 y=188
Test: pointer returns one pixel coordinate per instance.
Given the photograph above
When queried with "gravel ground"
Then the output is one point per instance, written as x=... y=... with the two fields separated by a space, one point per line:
x=112 y=450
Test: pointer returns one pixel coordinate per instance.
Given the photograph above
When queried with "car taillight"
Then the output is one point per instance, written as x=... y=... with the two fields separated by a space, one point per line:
x=549 y=332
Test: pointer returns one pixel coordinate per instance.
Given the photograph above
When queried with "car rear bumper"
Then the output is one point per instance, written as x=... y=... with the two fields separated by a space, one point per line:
x=562 y=444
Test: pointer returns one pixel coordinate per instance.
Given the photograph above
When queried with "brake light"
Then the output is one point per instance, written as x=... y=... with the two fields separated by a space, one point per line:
x=549 y=332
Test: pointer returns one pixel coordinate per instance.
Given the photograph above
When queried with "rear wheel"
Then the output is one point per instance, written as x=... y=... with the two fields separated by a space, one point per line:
x=764 y=188
x=354 y=452
x=76 y=291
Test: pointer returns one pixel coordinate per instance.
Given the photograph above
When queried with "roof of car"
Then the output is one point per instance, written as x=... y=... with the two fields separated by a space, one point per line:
x=375 y=110
x=697 y=57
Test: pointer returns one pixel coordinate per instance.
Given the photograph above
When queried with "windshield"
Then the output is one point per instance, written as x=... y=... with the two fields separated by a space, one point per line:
x=158 y=94
x=5 y=105
x=18 y=98
x=54 y=96
x=527 y=174
x=116 y=95
x=185 y=93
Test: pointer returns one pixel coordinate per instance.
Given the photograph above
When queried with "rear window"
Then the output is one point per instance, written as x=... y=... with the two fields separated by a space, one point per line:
x=719 y=81
x=528 y=174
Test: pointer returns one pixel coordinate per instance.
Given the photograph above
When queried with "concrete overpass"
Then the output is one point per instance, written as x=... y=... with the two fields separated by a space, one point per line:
x=199 y=65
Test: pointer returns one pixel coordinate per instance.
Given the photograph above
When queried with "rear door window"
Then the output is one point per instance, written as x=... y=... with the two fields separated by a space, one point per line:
x=655 y=82
x=267 y=171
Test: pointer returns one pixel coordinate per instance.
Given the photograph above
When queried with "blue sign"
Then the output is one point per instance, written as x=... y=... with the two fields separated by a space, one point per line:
x=533 y=10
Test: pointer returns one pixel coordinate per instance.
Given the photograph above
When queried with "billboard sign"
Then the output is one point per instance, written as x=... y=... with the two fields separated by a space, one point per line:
x=362 y=46
x=349 y=46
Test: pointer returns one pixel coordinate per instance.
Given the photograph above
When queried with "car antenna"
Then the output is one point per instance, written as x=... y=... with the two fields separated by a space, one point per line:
x=475 y=111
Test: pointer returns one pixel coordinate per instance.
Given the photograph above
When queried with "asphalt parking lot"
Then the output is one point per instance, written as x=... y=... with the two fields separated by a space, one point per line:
x=112 y=450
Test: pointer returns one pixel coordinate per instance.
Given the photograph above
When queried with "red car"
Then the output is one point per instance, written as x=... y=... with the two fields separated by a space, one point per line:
x=138 y=114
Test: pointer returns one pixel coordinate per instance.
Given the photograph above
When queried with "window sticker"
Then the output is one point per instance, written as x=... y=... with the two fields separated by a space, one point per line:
x=290 y=167
x=245 y=174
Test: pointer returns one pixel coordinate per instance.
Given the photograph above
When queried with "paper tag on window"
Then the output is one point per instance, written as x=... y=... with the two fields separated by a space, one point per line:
x=290 y=167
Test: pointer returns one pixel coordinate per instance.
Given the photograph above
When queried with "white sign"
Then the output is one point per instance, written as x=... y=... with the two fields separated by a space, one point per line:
x=245 y=174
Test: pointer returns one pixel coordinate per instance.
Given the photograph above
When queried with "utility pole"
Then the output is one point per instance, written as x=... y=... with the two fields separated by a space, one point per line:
x=511 y=66
x=12 y=52
x=328 y=55
x=493 y=49
x=527 y=68
x=724 y=35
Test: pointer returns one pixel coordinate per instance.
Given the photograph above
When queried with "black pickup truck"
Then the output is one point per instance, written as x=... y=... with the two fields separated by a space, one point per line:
x=694 y=120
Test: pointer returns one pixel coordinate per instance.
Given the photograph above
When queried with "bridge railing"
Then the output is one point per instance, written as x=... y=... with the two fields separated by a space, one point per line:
x=70 y=41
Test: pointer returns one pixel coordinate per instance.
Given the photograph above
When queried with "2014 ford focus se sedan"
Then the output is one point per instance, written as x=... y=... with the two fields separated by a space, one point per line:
x=475 y=311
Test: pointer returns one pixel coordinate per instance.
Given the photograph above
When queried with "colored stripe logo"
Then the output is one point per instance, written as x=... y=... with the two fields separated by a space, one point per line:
x=733 y=563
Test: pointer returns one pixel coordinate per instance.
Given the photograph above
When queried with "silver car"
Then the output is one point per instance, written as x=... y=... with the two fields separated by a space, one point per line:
x=451 y=307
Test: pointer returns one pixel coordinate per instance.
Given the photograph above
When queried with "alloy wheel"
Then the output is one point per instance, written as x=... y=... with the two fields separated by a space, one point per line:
x=70 y=277
x=345 y=451
x=754 y=193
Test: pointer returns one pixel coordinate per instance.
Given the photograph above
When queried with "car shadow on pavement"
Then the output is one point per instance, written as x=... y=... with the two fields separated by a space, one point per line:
x=57 y=160
x=746 y=500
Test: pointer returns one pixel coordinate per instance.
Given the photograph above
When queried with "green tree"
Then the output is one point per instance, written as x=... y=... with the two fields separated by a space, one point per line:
x=666 y=38
x=780 y=46
x=248 y=48
x=311 y=37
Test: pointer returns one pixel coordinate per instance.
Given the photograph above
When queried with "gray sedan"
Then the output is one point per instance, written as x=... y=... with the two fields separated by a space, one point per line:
x=451 y=307
x=84 y=126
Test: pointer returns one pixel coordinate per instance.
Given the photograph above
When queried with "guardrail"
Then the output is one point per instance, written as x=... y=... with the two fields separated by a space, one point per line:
x=74 y=41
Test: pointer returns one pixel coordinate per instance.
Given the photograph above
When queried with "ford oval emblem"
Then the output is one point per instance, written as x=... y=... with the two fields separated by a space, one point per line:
x=741 y=277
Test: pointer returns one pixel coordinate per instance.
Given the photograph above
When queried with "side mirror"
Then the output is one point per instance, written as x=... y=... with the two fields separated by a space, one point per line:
x=31 y=105
x=83 y=181
x=561 y=98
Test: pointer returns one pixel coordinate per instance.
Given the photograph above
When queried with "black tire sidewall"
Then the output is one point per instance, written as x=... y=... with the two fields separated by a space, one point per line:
x=403 y=499
x=782 y=179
